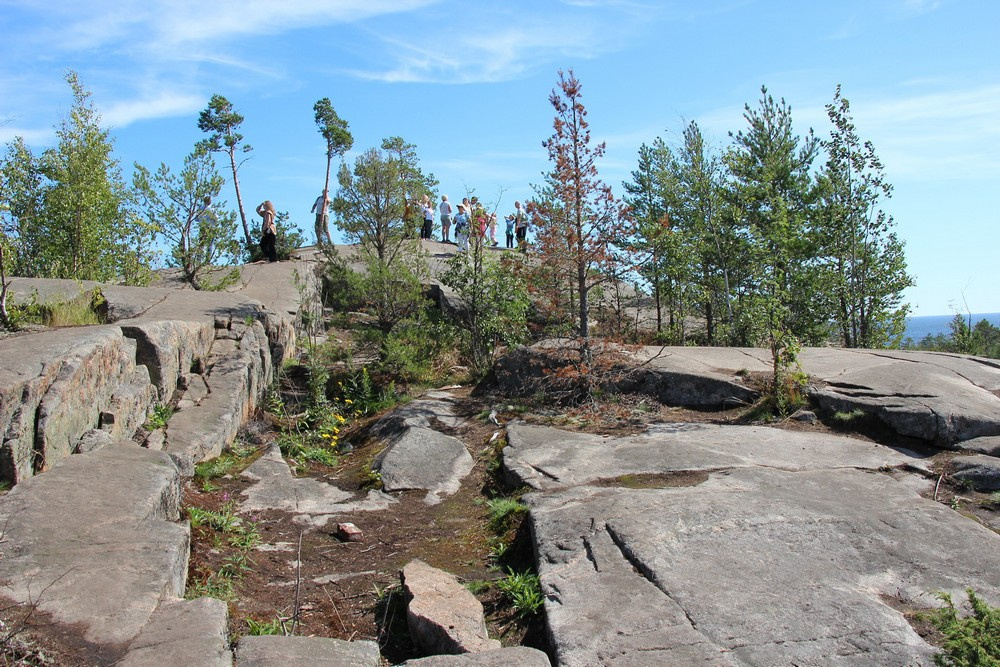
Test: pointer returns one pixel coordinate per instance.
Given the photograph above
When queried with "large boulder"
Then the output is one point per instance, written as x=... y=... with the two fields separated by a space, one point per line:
x=442 y=615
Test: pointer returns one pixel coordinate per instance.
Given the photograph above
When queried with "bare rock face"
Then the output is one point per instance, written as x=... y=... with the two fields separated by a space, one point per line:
x=514 y=656
x=418 y=456
x=54 y=386
x=271 y=651
x=94 y=540
x=783 y=549
x=983 y=472
x=443 y=616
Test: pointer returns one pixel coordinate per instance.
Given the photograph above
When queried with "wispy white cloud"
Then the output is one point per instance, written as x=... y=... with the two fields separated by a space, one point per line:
x=162 y=105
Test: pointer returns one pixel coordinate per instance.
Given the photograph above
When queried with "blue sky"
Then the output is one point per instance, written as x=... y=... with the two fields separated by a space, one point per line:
x=468 y=84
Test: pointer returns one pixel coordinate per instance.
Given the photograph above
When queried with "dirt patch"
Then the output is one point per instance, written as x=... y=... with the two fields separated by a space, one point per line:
x=655 y=480
x=306 y=580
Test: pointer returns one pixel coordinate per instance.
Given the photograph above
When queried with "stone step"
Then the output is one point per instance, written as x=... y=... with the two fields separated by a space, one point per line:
x=93 y=541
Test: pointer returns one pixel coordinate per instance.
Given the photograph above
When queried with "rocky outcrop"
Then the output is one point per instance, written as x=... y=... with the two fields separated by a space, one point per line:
x=442 y=615
x=95 y=541
x=193 y=633
x=305 y=652
x=771 y=548
x=514 y=656
x=944 y=399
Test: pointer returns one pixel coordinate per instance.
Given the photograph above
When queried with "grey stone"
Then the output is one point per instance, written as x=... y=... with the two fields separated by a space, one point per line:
x=546 y=458
x=988 y=445
x=753 y=566
x=193 y=633
x=169 y=348
x=807 y=416
x=421 y=413
x=93 y=540
x=275 y=488
x=937 y=397
x=194 y=386
x=92 y=440
x=236 y=378
x=983 y=472
x=273 y=651
x=130 y=405
x=514 y=656
x=421 y=458
x=442 y=615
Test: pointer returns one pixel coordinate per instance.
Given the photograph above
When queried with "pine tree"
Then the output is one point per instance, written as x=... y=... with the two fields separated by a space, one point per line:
x=581 y=227
x=221 y=120
x=863 y=257
x=184 y=211
x=338 y=141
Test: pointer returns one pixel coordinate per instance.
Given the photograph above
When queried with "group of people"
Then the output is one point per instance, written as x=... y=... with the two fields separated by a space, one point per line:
x=468 y=219
x=472 y=221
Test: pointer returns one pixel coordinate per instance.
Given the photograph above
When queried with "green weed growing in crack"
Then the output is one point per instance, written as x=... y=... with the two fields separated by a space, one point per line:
x=523 y=591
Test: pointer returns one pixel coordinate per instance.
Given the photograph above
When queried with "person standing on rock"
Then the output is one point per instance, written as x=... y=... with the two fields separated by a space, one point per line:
x=462 y=229
x=445 y=209
x=428 y=227
x=521 y=226
x=322 y=219
x=268 y=231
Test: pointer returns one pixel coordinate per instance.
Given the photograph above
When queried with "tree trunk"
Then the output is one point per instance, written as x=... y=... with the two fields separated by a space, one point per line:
x=239 y=198
x=323 y=230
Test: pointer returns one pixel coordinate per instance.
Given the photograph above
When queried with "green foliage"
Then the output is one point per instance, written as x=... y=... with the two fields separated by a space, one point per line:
x=981 y=340
x=361 y=397
x=161 y=415
x=524 y=592
x=225 y=520
x=68 y=213
x=972 y=641
x=242 y=537
x=372 y=202
x=848 y=417
x=502 y=511
x=494 y=306
x=258 y=628
x=863 y=261
x=181 y=209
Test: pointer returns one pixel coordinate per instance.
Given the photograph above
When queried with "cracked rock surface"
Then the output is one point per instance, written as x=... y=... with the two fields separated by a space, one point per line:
x=765 y=562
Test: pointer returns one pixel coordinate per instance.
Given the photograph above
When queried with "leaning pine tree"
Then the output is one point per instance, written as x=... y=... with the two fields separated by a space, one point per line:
x=579 y=223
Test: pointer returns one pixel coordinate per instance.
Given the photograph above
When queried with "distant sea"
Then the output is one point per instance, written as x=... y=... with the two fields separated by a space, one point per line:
x=918 y=327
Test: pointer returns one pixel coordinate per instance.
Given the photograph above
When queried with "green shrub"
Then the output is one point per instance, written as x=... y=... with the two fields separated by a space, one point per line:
x=258 y=628
x=161 y=415
x=972 y=641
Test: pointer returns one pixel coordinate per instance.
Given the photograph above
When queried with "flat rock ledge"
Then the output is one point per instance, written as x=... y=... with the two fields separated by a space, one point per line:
x=313 y=502
x=708 y=545
x=442 y=615
x=515 y=656
x=95 y=541
x=273 y=651
x=418 y=456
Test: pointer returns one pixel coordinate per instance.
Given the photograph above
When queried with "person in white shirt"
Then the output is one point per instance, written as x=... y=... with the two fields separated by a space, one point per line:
x=445 y=209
